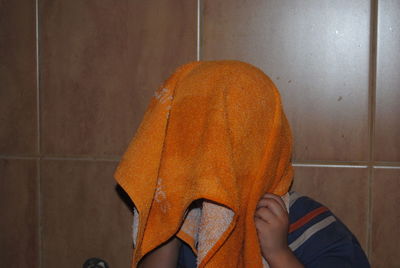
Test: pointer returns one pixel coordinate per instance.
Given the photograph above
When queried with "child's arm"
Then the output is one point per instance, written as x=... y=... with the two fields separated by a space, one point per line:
x=165 y=256
x=272 y=223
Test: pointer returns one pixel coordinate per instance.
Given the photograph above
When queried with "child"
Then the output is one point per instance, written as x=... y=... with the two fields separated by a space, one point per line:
x=308 y=236
x=213 y=141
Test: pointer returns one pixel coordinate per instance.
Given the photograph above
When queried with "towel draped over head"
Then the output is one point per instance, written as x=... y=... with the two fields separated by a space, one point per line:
x=213 y=140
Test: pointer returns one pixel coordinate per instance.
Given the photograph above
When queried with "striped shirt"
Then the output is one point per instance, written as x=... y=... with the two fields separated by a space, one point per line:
x=316 y=237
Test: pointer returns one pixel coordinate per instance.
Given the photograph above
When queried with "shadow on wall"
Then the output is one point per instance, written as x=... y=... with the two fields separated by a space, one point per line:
x=124 y=197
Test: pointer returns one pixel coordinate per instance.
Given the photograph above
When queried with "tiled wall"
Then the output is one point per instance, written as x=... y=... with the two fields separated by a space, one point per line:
x=67 y=115
x=76 y=76
x=336 y=64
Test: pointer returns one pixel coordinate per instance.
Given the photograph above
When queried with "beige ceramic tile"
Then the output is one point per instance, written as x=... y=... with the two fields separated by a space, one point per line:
x=100 y=63
x=343 y=190
x=19 y=233
x=318 y=55
x=83 y=215
x=387 y=134
x=385 y=232
x=17 y=78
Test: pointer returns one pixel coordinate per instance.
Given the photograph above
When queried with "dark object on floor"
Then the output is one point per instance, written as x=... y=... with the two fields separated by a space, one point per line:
x=95 y=263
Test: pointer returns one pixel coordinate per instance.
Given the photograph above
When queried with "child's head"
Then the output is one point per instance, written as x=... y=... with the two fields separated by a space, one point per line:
x=215 y=130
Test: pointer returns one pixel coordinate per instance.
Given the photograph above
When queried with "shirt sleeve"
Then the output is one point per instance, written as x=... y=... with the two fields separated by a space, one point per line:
x=316 y=236
x=187 y=259
x=319 y=239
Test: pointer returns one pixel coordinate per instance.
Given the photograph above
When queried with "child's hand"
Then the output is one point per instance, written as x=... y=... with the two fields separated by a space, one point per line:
x=272 y=223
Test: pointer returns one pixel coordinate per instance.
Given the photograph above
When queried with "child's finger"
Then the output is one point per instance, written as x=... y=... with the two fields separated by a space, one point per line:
x=265 y=214
x=260 y=223
x=262 y=203
x=275 y=197
x=273 y=205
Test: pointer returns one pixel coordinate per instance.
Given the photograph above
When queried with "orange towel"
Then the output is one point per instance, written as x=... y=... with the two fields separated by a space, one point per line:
x=215 y=131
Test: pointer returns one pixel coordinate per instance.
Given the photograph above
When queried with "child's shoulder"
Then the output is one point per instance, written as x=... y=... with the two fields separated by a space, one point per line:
x=316 y=235
x=307 y=217
x=301 y=205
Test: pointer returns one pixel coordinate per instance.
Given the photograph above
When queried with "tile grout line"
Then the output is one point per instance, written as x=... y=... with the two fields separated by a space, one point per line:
x=355 y=164
x=350 y=165
x=38 y=141
x=66 y=158
x=371 y=115
x=110 y=159
x=386 y=167
x=18 y=157
x=37 y=80
x=328 y=164
x=198 y=36
x=39 y=210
